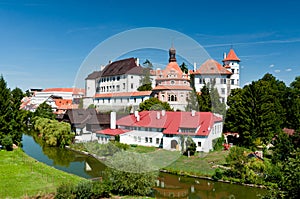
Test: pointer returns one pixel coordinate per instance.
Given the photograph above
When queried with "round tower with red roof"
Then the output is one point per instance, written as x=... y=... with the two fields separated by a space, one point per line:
x=232 y=63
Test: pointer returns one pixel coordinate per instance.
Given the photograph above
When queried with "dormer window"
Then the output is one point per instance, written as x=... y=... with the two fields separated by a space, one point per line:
x=172 y=82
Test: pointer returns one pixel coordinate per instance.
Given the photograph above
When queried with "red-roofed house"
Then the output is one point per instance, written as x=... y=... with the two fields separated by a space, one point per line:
x=165 y=129
x=172 y=85
x=225 y=77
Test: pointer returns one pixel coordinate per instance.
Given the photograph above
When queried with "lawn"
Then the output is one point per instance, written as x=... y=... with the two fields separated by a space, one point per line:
x=22 y=176
x=200 y=164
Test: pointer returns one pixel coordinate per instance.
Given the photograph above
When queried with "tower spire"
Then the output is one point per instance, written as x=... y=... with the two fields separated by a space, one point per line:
x=172 y=54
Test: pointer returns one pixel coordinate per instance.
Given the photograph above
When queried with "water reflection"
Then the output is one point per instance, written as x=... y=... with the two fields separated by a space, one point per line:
x=63 y=159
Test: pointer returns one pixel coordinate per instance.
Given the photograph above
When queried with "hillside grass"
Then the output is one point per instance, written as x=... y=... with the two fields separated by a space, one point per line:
x=23 y=176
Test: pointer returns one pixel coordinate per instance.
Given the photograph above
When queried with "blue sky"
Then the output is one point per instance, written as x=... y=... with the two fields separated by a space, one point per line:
x=43 y=43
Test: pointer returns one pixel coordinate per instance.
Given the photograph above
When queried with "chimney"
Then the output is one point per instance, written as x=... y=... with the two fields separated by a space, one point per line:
x=224 y=55
x=195 y=66
x=158 y=115
x=193 y=113
x=137 y=61
x=113 y=120
x=163 y=112
x=138 y=118
x=102 y=67
x=136 y=113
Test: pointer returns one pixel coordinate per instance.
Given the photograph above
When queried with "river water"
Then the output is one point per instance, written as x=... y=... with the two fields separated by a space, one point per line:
x=167 y=185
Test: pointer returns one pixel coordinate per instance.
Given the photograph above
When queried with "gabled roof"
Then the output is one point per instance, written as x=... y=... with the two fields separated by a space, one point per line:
x=123 y=94
x=72 y=90
x=172 y=67
x=94 y=75
x=112 y=132
x=171 y=122
x=231 y=56
x=120 y=67
x=212 y=67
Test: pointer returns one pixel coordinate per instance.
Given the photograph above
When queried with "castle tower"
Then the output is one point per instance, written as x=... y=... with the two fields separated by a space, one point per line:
x=172 y=55
x=232 y=63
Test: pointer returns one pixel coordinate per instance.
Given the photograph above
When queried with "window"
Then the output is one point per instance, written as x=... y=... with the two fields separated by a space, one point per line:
x=223 y=91
x=108 y=100
x=121 y=100
x=232 y=70
x=131 y=85
x=150 y=140
x=123 y=85
x=131 y=77
x=200 y=81
x=135 y=139
x=232 y=82
x=115 y=100
x=237 y=71
x=157 y=140
x=103 y=101
x=118 y=87
x=146 y=139
x=139 y=139
x=223 y=80
x=172 y=98
x=118 y=78
x=172 y=82
x=199 y=144
x=134 y=100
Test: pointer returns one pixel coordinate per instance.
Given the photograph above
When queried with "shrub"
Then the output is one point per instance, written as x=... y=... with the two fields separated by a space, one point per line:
x=7 y=143
x=217 y=175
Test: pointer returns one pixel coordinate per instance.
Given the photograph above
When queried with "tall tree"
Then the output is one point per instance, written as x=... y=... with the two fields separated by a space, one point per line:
x=44 y=110
x=193 y=101
x=204 y=99
x=184 y=68
x=254 y=111
x=146 y=81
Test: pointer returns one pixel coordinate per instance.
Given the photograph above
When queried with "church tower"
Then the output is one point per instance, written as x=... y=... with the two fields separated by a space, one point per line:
x=172 y=55
x=232 y=63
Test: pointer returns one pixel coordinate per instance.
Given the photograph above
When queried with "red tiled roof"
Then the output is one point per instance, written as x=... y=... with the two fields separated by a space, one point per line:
x=212 y=67
x=172 y=87
x=73 y=90
x=231 y=56
x=173 y=121
x=123 y=94
x=112 y=132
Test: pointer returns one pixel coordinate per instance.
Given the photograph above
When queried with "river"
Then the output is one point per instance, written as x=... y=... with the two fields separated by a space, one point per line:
x=167 y=185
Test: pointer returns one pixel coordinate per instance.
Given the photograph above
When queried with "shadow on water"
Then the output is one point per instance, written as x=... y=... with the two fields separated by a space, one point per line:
x=167 y=185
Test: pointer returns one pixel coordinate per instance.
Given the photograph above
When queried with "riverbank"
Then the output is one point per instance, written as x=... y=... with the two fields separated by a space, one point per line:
x=24 y=176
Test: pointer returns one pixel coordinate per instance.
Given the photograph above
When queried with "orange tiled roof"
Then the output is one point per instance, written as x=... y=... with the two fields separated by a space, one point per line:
x=212 y=67
x=231 y=56
x=123 y=94
x=74 y=90
x=172 y=66
x=172 y=87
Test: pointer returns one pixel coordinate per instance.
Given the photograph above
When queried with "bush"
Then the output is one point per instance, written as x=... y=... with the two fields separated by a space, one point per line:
x=65 y=191
x=7 y=143
x=217 y=175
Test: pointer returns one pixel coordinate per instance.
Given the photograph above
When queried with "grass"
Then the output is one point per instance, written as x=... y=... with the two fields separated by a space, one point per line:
x=200 y=164
x=23 y=176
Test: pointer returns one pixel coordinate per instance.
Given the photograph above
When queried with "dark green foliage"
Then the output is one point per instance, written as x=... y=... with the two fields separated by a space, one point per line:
x=184 y=68
x=130 y=174
x=193 y=101
x=256 y=111
x=12 y=120
x=44 y=110
x=85 y=189
x=91 y=106
x=204 y=100
x=190 y=146
x=154 y=104
x=54 y=133
x=217 y=175
x=7 y=143
x=145 y=81
x=218 y=143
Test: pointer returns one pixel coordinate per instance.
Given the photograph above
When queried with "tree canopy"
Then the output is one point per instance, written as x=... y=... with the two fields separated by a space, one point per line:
x=154 y=104
x=146 y=81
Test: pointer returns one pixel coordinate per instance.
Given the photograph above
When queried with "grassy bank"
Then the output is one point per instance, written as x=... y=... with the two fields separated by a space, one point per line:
x=199 y=165
x=22 y=176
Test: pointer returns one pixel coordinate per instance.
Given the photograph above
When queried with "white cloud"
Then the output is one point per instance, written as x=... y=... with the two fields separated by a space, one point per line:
x=277 y=71
x=272 y=65
x=288 y=70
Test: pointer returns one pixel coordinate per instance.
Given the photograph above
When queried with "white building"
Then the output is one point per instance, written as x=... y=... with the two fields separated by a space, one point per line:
x=116 y=85
x=224 y=78
x=166 y=129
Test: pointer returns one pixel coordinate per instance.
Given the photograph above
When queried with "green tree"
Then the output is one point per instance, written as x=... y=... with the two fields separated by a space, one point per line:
x=184 y=68
x=130 y=174
x=154 y=104
x=193 y=101
x=190 y=146
x=44 y=110
x=255 y=111
x=145 y=81
x=204 y=99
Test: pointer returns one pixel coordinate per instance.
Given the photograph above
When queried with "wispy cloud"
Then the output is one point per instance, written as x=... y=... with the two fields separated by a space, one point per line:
x=254 y=43
x=272 y=65
x=277 y=71
x=288 y=70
